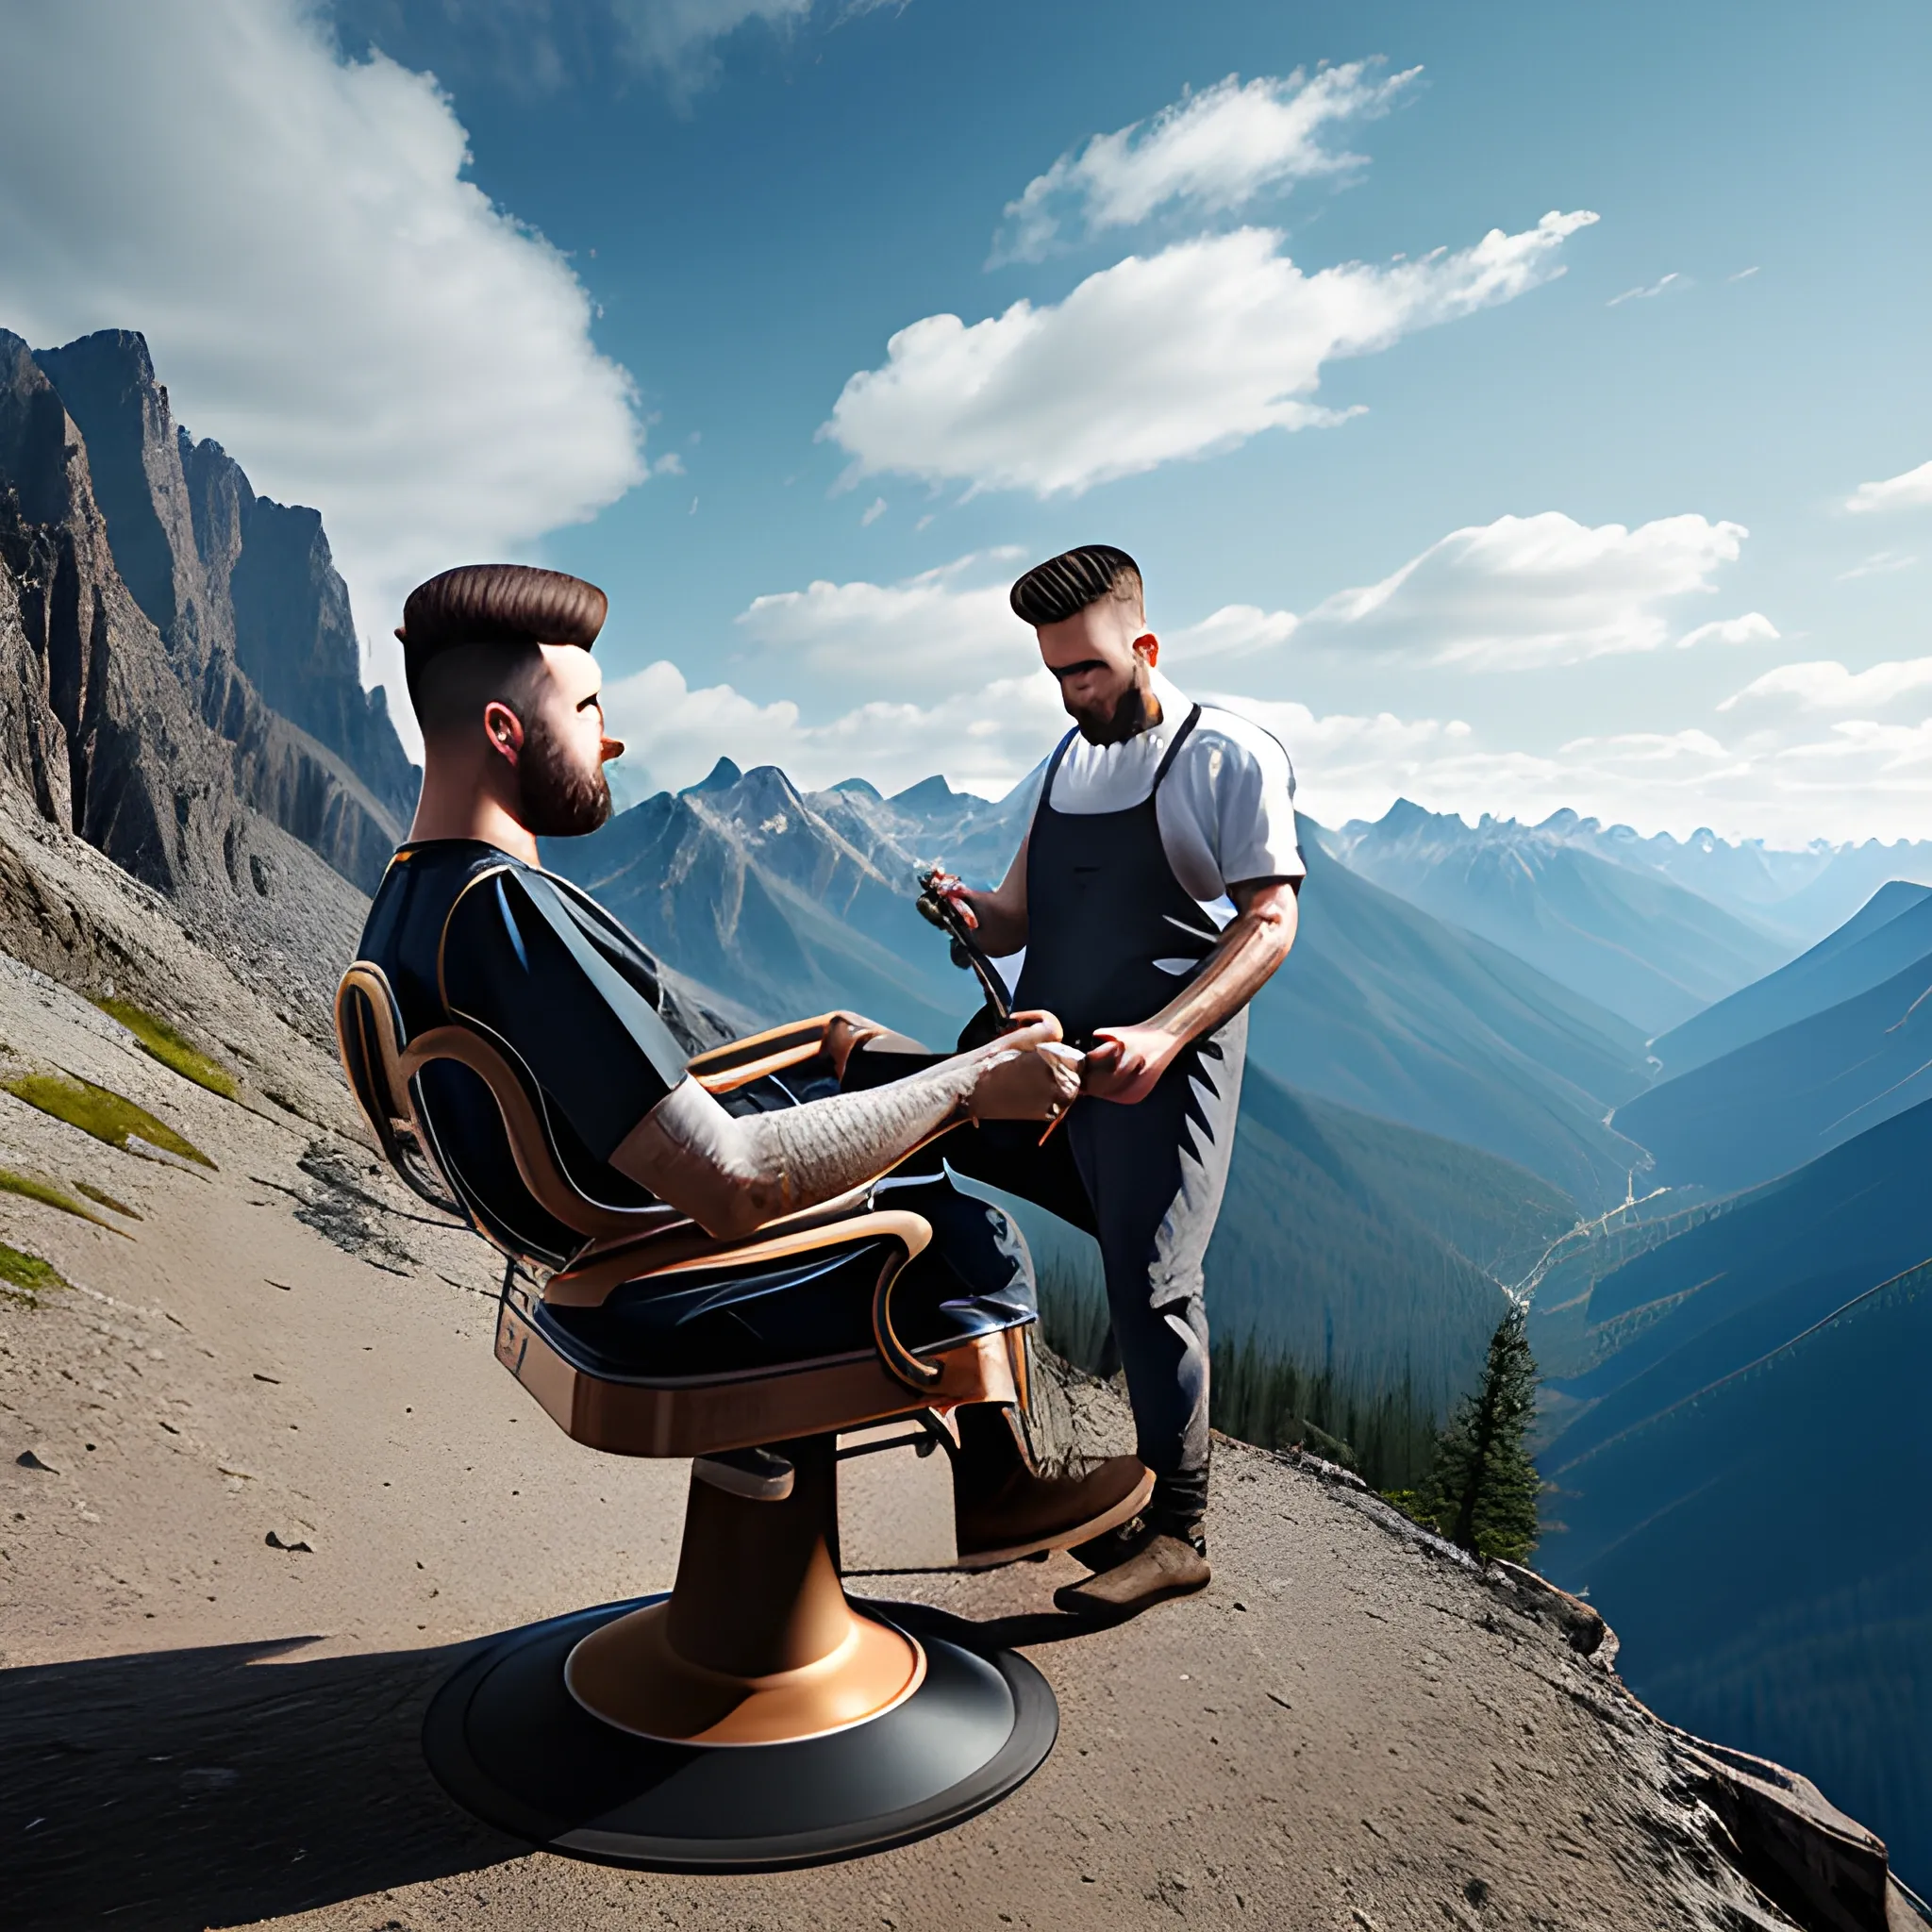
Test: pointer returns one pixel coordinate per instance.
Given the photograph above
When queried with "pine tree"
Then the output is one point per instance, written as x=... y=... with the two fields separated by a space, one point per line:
x=1482 y=1488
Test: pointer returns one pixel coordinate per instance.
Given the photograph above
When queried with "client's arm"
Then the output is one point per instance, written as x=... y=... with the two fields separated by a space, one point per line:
x=732 y=1173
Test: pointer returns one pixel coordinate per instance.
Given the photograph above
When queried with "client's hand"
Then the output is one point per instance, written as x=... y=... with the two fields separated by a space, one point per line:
x=1028 y=1075
x=845 y=1033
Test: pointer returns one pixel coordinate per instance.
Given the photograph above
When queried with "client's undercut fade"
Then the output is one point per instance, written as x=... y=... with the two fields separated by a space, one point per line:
x=472 y=633
x=1064 y=586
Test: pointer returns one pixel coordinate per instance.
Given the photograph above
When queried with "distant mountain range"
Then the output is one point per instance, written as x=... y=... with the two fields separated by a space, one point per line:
x=1796 y=897
x=780 y=902
x=1742 y=1471
x=1775 y=1103
x=1369 y=1248
x=1876 y=941
x=1642 y=947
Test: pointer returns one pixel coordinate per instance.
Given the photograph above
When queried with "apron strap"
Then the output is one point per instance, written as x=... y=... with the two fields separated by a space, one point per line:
x=1053 y=766
x=1180 y=738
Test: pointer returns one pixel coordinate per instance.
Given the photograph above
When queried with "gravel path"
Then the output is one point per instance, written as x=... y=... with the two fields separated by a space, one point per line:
x=199 y=1728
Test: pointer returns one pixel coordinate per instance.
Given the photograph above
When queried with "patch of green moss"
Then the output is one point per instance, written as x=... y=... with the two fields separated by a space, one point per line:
x=28 y=1277
x=108 y=1200
x=30 y=1187
x=100 y=1111
x=171 y=1046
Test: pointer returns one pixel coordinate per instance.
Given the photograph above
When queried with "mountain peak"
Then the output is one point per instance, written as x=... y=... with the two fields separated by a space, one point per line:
x=721 y=777
x=929 y=794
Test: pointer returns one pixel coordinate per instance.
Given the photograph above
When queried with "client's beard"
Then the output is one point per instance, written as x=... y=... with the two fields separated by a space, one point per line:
x=555 y=799
x=1131 y=715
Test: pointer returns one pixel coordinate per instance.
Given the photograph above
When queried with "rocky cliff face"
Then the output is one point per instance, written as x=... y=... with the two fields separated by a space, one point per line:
x=147 y=597
x=289 y=616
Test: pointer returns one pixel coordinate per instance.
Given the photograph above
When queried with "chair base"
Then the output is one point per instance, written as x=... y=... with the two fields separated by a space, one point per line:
x=507 y=1741
x=628 y=1673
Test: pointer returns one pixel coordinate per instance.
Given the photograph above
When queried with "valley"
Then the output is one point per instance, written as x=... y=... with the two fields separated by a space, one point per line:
x=1671 y=1093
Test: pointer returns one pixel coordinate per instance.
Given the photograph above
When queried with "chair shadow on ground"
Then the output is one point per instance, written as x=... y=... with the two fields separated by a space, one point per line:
x=195 y=1787
x=182 y=1790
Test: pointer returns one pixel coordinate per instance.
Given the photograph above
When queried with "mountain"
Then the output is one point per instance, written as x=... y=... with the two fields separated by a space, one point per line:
x=1794 y=896
x=1777 y=1102
x=751 y=891
x=1741 y=1474
x=1890 y=932
x=1369 y=1251
x=1754 y=1545
x=106 y=729
x=1395 y=1013
x=1722 y=1286
x=1849 y=880
x=152 y=596
x=781 y=902
x=1637 y=943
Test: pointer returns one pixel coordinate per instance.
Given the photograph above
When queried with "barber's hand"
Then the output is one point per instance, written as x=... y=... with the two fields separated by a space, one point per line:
x=955 y=892
x=1027 y=1075
x=1126 y=1063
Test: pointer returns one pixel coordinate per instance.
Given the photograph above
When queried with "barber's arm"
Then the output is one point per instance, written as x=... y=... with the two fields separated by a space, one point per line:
x=1127 y=1061
x=733 y=1174
x=998 y=916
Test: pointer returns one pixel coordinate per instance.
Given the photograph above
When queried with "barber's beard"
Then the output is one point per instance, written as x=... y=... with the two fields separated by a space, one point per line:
x=558 y=799
x=1131 y=713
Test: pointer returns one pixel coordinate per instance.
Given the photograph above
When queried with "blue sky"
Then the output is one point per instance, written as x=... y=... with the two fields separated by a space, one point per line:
x=1524 y=478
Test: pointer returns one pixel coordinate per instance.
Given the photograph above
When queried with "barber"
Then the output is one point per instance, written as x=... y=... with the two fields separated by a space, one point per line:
x=1154 y=895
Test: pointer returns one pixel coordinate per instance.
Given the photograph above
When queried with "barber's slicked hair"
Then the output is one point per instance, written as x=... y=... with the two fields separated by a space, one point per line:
x=1063 y=585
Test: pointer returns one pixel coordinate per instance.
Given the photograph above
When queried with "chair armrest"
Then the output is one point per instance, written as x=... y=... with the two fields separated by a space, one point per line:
x=739 y=1062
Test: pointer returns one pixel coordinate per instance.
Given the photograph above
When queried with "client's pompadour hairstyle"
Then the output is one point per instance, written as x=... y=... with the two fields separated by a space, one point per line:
x=1063 y=585
x=499 y=604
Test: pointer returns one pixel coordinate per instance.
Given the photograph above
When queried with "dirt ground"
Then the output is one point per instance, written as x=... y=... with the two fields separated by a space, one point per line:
x=199 y=1728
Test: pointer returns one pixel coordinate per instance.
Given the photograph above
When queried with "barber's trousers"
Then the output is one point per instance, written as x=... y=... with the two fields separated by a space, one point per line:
x=1147 y=1182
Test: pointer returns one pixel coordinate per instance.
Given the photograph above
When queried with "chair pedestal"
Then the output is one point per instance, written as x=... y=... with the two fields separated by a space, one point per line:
x=756 y=1644
x=752 y=1720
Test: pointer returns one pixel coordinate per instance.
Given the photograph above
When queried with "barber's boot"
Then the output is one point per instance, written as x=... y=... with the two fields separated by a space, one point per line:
x=1155 y=1562
x=1004 y=1509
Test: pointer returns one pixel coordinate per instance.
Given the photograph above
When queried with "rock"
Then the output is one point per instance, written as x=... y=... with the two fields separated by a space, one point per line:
x=27 y=1459
x=292 y=1544
x=143 y=621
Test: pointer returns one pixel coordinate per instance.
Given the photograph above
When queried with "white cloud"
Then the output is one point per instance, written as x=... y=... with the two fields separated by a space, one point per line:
x=874 y=511
x=1208 y=152
x=1235 y=630
x=322 y=289
x=984 y=739
x=1856 y=778
x=1754 y=627
x=1912 y=491
x=1827 y=686
x=679 y=38
x=1194 y=349
x=1641 y=293
x=1881 y=563
x=941 y=632
x=1542 y=590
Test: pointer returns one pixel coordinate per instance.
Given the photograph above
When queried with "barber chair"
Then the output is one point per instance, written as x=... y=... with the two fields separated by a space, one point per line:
x=754 y=1717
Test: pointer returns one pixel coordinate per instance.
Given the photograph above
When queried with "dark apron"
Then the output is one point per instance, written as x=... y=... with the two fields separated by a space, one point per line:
x=1102 y=906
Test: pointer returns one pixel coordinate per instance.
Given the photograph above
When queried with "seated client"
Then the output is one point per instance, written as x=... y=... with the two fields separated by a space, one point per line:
x=471 y=929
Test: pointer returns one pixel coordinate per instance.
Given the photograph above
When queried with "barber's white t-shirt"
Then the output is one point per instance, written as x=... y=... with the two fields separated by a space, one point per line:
x=1225 y=808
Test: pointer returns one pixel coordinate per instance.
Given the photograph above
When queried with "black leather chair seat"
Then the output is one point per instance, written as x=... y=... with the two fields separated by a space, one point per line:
x=973 y=1279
